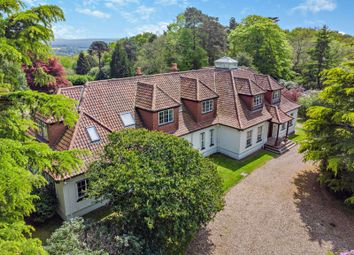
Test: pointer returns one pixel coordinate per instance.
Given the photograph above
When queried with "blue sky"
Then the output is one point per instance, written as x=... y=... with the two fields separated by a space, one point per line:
x=120 y=18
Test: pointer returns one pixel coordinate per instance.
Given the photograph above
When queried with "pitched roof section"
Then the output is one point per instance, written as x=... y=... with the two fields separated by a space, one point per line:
x=247 y=87
x=266 y=82
x=152 y=98
x=278 y=116
x=196 y=90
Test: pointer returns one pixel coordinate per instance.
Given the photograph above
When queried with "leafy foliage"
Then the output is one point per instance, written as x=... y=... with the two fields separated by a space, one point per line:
x=311 y=98
x=120 y=65
x=83 y=65
x=46 y=76
x=265 y=42
x=46 y=204
x=330 y=131
x=98 y=48
x=77 y=79
x=160 y=188
x=79 y=237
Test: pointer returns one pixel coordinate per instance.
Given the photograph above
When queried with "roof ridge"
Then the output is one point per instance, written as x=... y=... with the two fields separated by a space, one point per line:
x=152 y=75
x=75 y=131
x=198 y=90
x=158 y=87
x=97 y=121
x=208 y=87
x=258 y=86
x=235 y=99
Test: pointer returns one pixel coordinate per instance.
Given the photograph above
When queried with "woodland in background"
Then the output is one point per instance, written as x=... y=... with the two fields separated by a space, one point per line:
x=195 y=40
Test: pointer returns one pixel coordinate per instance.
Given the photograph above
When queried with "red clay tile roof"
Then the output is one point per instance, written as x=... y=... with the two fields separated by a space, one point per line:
x=101 y=102
x=151 y=97
x=194 y=89
x=267 y=82
x=278 y=116
x=248 y=87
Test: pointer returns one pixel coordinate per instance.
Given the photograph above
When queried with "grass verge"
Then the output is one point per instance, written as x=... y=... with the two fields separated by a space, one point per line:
x=233 y=171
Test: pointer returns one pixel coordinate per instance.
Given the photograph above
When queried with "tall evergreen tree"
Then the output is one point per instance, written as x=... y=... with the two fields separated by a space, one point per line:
x=232 y=24
x=120 y=64
x=83 y=64
x=320 y=56
x=98 y=48
x=330 y=131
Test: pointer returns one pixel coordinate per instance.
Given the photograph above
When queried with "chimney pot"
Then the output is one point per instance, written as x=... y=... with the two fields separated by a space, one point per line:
x=174 y=67
x=138 y=71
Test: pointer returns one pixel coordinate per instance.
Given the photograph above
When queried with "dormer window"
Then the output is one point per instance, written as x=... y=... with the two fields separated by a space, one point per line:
x=93 y=134
x=42 y=131
x=207 y=106
x=127 y=119
x=257 y=100
x=276 y=96
x=165 y=116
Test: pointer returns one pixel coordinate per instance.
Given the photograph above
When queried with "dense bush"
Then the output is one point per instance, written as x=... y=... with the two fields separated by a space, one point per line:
x=77 y=79
x=46 y=203
x=294 y=93
x=163 y=189
x=88 y=238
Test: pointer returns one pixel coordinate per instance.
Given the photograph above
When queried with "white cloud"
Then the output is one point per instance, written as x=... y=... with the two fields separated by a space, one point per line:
x=172 y=2
x=154 y=28
x=118 y=3
x=315 y=6
x=145 y=12
x=94 y=13
x=141 y=13
x=64 y=31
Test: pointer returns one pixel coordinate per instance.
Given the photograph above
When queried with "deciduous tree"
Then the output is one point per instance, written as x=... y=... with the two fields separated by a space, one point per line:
x=265 y=42
x=160 y=188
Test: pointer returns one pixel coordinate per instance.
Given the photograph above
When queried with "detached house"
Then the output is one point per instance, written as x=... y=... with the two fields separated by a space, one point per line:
x=228 y=109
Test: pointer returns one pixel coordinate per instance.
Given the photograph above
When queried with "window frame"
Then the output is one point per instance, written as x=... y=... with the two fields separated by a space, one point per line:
x=42 y=130
x=167 y=114
x=277 y=97
x=202 y=141
x=207 y=106
x=259 y=134
x=81 y=189
x=98 y=135
x=255 y=101
x=122 y=116
x=249 y=138
x=212 y=137
x=283 y=126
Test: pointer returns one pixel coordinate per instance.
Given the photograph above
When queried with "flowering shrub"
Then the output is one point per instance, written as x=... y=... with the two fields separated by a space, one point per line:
x=347 y=253
x=294 y=93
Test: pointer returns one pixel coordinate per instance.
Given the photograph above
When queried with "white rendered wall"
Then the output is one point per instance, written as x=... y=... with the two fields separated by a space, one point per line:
x=67 y=195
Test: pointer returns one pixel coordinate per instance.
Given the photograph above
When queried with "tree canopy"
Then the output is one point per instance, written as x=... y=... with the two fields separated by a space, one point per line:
x=330 y=131
x=160 y=188
x=265 y=42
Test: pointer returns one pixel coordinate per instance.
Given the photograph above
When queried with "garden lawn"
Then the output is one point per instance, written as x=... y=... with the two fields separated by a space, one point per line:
x=300 y=134
x=231 y=170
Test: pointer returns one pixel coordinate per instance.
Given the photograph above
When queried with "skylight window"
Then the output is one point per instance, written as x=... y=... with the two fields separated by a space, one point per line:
x=127 y=119
x=92 y=132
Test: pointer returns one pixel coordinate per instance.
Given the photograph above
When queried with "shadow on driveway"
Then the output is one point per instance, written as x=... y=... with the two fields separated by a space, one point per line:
x=326 y=219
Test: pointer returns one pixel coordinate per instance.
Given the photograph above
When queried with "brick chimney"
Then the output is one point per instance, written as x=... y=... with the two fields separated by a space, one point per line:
x=174 y=67
x=138 y=71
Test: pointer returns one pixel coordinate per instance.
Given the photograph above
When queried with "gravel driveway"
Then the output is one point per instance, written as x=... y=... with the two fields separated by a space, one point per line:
x=278 y=209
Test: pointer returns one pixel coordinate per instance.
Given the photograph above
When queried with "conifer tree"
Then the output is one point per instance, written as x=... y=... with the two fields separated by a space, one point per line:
x=83 y=64
x=120 y=64
x=330 y=131
x=320 y=56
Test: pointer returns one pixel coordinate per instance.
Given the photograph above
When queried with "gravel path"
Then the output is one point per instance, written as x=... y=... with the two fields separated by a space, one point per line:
x=278 y=209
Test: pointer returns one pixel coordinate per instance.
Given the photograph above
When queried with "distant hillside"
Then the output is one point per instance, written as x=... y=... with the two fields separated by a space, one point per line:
x=74 y=46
